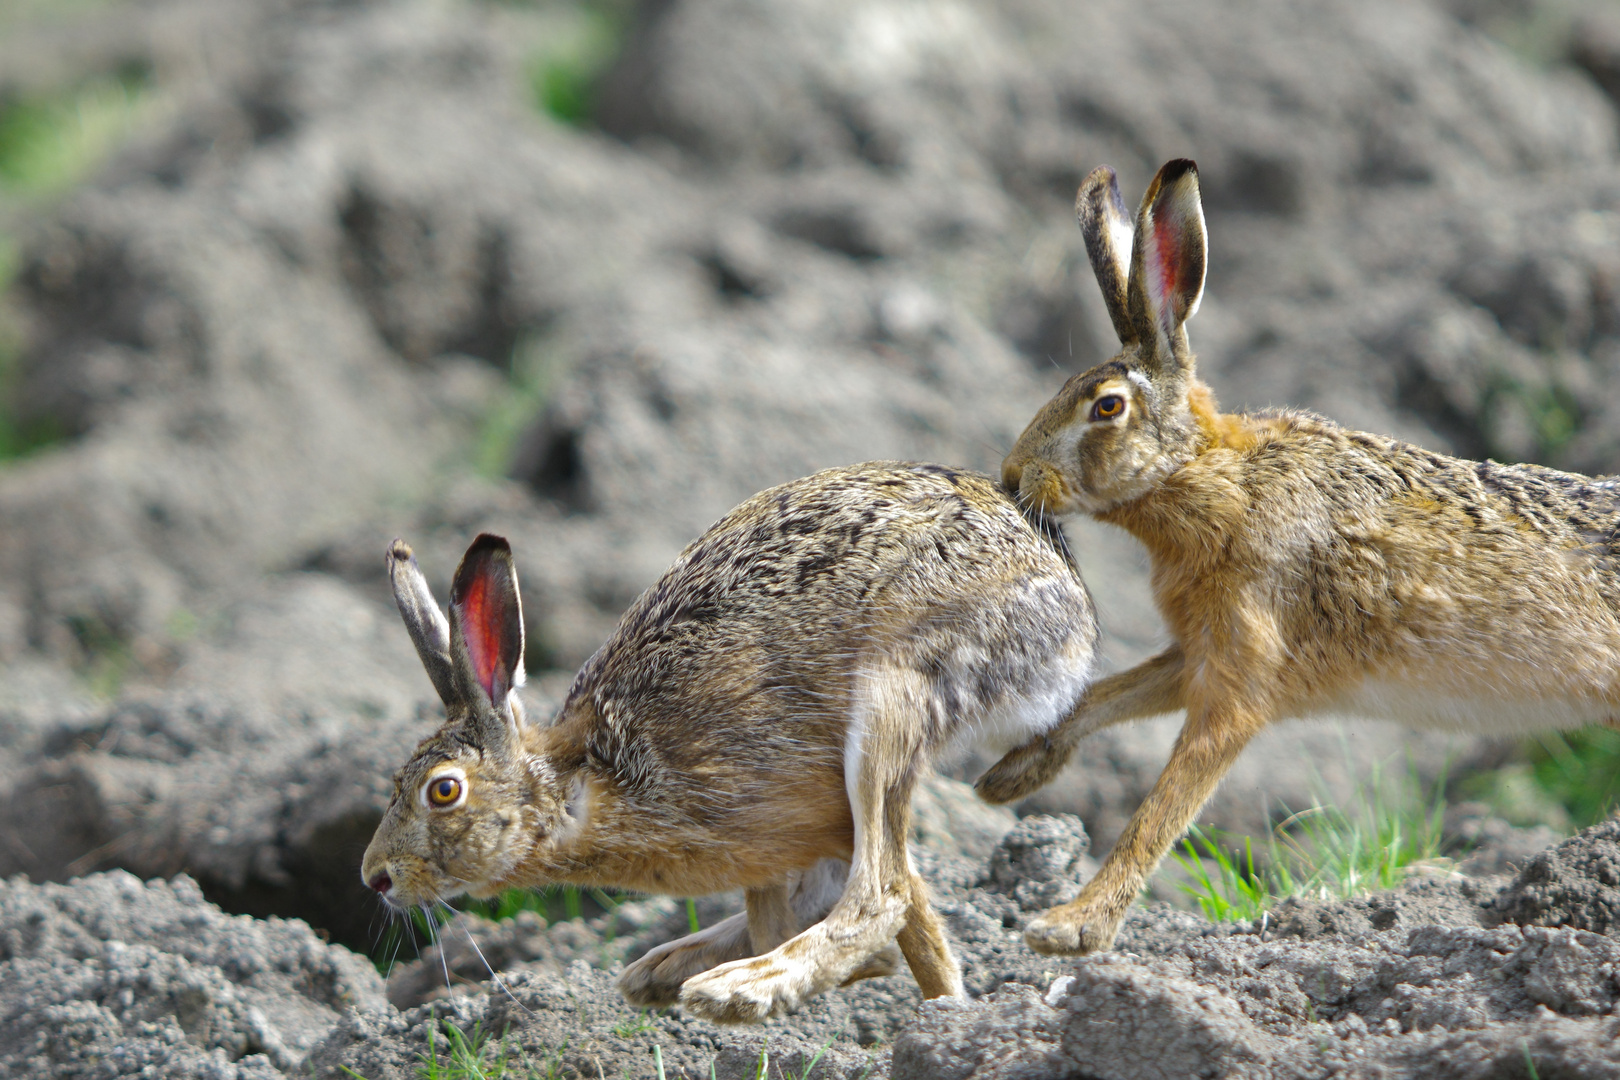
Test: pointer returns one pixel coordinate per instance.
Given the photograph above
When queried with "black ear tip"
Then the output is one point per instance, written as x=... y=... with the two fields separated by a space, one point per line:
x=400 y=551
x=1176 y=169
x=489 y=544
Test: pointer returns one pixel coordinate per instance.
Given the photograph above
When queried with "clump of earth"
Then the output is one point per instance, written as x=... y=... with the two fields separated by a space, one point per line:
x=1448 y=975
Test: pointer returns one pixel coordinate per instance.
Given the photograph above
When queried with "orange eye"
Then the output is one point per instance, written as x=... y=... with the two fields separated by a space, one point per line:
x=1107 y=407
x=444 y=791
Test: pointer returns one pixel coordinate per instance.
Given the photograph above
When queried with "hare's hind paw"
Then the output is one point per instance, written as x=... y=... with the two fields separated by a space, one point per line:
x=1021 y=771
x=654 y=981
x=646 y=987
x=1073 y=929
x=746 y=991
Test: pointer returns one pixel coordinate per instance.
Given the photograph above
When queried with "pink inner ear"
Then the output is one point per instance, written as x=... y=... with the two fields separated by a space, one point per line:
x=1167 y=271
x=480 y=629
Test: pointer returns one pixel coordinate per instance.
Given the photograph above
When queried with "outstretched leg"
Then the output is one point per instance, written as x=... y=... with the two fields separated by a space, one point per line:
x=1206 y=748
x=1151 y=688
x=654 y=980
x=883 y=754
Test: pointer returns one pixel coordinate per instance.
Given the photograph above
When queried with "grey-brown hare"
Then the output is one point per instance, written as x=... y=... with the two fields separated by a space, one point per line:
x=757 y=721
x=1301 y=569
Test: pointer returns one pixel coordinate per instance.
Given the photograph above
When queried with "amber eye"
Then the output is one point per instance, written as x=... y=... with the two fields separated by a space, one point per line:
x=444 y=791
x=1107 y=407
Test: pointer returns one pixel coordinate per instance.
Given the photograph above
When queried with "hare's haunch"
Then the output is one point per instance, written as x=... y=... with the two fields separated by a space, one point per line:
x=757 y=721
x=1301 y=569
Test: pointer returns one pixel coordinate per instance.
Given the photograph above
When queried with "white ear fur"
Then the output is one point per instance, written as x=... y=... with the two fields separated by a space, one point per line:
x=426 y=624
x=1105 y=225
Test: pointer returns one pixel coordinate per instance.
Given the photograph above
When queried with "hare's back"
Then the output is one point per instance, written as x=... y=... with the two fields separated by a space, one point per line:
x=1490 y=579
x=768 y=625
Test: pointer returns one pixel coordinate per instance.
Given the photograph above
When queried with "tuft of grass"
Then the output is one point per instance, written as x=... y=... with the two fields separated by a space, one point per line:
x=1234 y=890
x=1324 y=852
x=468 y=1056
x=642 y=1024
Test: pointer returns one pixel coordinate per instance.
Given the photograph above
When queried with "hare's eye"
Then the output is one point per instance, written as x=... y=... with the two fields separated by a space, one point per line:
x=1107 y=407
x=444 y=791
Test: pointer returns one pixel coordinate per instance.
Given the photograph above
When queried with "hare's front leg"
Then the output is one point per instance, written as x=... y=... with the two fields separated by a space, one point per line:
x=1151 y=688
x=882 y=898
x=1209 y=743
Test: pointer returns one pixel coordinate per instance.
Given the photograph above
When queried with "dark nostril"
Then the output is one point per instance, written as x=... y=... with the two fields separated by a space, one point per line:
x=381 y=883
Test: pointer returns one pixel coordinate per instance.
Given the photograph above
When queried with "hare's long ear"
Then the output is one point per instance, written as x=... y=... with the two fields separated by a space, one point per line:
x=1106 y=226
x=423 y=619
x=486 y=638
x=1167 y=265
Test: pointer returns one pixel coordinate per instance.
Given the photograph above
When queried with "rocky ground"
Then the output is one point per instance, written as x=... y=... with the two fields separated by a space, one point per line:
x=345 y=282
x=1447 y=976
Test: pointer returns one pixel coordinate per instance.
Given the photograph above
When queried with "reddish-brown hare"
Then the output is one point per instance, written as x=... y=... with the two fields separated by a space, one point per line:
x=757 y=721
x=1301 y=569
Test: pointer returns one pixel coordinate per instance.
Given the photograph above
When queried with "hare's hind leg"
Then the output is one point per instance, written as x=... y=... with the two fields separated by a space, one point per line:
x=654 y=980
x=882 y=896
x=922 y=941
x=817 y=891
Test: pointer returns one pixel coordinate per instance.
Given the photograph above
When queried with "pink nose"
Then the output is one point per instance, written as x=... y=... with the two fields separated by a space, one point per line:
x=382 y=882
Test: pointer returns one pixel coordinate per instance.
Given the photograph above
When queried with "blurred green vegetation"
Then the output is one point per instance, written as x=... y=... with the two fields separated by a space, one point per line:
x=539 y=360
x=51 y=142
x=48 y=143
x=575 y=47
x=1568 y=780
x=1580 y=770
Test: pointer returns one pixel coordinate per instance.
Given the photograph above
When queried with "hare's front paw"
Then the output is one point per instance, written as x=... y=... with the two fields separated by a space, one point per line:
x=1073 y=929
x=746 y=991
x=1020 y=772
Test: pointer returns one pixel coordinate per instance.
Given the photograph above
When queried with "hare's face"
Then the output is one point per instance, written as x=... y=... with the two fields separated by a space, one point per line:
x=1105 y=439
x=1114 y=433
x=461 y=822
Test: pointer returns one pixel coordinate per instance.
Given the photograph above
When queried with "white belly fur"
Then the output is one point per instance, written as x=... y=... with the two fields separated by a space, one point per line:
x=1435 y=710
x=1014 y=720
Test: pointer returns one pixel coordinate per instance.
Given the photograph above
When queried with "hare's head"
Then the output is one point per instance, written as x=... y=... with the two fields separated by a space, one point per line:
x=1114 y=432
x=471 y=804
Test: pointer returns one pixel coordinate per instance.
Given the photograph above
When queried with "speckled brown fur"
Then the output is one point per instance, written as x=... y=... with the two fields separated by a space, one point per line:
x=765 y=707
x=1301 y=569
